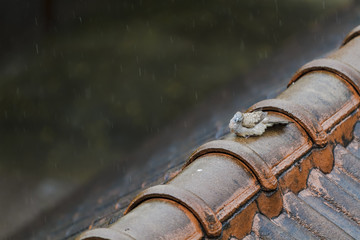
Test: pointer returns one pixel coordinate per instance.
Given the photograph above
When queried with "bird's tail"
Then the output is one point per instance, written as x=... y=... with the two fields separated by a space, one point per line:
x=271 y=123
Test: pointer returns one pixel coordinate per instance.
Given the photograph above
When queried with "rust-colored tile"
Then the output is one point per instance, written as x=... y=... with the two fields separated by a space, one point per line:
x=240 y=225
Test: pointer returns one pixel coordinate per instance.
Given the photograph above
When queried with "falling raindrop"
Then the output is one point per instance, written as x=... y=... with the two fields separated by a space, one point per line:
x=37 y=48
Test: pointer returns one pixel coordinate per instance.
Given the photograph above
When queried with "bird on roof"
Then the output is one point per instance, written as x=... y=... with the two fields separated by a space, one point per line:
x=252 y=123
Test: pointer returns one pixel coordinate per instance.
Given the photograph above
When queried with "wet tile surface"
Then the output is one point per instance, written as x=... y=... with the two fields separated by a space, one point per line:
x=327 y=209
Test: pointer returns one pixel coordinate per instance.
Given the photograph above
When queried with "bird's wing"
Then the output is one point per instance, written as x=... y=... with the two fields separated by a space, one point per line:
x=253 y=118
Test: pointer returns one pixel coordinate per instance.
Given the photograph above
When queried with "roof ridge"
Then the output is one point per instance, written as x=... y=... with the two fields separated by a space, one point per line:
x=237 y=177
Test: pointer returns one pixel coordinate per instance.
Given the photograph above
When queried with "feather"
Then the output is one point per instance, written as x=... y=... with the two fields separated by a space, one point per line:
x=253 y=118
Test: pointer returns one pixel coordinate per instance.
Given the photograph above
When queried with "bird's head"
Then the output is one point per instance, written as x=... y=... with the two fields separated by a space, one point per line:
x=236 y=121
x=238 y=117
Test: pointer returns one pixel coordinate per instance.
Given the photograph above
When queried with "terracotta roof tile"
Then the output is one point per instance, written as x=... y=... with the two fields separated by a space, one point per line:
x=327 y=208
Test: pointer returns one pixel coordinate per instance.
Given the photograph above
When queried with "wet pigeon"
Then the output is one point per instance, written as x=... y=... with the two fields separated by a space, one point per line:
x=252 y=124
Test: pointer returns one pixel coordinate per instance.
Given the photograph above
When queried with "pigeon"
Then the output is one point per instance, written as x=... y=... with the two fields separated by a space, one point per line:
x=252 y=123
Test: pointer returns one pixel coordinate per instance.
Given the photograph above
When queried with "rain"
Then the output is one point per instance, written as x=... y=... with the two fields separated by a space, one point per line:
x=86 y=84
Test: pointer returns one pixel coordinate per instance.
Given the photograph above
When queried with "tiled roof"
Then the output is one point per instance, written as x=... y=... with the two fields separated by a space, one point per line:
x=250 y=197
x=329 y=208
x=299 y=180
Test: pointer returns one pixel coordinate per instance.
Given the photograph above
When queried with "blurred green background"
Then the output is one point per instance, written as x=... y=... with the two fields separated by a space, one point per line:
x=83 y=82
